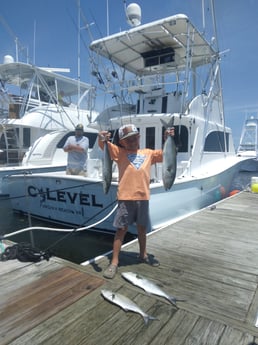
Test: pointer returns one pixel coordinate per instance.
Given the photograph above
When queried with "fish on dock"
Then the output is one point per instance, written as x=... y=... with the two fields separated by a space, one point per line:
x=148 y=286
x=106 y=169
x=169 y=163
x=126 y=304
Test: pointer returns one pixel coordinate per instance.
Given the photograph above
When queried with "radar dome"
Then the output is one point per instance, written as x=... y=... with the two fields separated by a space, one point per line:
x=8 y=59
x=133 y=14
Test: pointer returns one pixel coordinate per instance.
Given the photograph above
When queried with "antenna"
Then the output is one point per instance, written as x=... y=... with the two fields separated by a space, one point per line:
x=34 y=43
x=133 y=14
x=107 y=18
x=18 y=46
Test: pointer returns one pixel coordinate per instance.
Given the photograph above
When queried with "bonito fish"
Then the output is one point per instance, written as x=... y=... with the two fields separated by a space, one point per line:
x=126 y=304
x=148 y=286
x=169 y=163
x=106 y=169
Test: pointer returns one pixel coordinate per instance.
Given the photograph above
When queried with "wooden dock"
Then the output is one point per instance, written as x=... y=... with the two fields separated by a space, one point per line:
x=210 y=259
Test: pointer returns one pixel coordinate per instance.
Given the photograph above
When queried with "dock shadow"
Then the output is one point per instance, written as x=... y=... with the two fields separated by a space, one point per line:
x=126 y=258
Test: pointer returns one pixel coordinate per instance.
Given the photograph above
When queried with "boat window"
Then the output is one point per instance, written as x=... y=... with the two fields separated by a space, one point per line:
x=215 y=142
x=181 y=138
x=158 y=57
x=26 y=137
x=150 y=138
x=91 y=136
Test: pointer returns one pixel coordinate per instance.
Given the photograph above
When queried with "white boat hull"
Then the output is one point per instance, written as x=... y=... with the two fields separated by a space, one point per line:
x=76 y=201
x=250 y=165
x=5 y=172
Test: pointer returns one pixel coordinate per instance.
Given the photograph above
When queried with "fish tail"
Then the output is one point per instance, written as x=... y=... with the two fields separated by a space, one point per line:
x=173 y=300
x=168 y=124
x=147 y=318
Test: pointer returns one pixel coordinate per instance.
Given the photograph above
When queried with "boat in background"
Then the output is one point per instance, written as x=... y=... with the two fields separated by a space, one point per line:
x=45 y=155
x=157 y=72
x=248 y=145
x=35 y=101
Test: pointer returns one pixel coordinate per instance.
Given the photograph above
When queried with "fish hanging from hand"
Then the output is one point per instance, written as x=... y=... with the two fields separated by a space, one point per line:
x=169 y=163
x=107 y=164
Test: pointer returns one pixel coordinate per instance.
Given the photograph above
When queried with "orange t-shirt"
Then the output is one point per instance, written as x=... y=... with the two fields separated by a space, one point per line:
x=134 y=171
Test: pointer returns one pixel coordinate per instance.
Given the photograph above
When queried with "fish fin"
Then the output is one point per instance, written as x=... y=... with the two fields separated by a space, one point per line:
x=147 y=318
x=173 y=300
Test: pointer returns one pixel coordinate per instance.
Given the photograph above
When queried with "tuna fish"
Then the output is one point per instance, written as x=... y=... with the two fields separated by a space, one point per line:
x=126 y=304
x=106 y=169
x=148 y=286
x=169 y=163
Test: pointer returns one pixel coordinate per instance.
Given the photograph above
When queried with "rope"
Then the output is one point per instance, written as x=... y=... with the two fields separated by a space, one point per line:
x=24 y=252
x=59 y=229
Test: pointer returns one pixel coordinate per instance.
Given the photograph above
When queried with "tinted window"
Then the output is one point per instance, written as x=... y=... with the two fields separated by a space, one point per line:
x=181 y=138
x=26 y=137
x=150 y=138
x=215 y=142
x=91 y=136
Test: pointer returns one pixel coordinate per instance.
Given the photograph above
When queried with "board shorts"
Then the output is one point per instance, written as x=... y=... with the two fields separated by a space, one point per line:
x=132 y=211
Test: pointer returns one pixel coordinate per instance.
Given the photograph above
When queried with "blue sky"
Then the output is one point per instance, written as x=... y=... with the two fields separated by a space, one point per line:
x=52 y=25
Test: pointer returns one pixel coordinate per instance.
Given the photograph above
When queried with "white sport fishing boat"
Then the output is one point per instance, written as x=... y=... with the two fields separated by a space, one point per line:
x=34 y=102
x=248 y=145
x=45 y=155
x=156 y=70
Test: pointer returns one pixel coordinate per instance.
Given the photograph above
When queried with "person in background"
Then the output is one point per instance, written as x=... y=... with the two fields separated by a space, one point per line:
x=133 y=193
x=61 y=100
x=77 y=147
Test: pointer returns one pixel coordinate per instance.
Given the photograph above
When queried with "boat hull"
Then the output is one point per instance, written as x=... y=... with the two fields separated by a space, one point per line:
x=79 y=202
x=250 y=165
x=5 y=172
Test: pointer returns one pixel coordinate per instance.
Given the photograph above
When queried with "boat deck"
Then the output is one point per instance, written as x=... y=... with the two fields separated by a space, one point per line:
x=209 y=259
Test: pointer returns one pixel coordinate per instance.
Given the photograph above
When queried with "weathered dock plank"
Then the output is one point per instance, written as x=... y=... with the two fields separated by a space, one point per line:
x=38 y=300
x=209 y=259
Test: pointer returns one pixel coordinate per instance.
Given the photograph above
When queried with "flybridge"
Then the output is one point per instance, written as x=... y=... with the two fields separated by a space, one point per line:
x=140 y=49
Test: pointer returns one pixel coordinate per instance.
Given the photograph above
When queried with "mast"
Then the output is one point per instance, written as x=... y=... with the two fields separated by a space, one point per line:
x=79 y=54
x=216 y=46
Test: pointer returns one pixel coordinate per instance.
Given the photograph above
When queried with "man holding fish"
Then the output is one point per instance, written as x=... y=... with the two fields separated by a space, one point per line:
x=133 y=193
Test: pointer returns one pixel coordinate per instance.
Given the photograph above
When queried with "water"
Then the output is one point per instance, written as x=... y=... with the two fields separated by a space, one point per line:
x=75 y=247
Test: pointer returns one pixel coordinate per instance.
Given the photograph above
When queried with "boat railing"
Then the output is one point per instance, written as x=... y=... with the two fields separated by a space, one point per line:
x=248 y=147
x=11 y=157
x=18 y=105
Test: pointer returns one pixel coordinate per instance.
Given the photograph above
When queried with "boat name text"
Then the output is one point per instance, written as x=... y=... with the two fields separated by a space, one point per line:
x=64 y=196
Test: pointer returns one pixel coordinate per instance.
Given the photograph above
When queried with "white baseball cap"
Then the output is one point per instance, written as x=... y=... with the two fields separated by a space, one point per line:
x=127 y=131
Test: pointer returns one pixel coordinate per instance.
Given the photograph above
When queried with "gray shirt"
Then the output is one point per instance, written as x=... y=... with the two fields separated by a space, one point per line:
x=77 y=160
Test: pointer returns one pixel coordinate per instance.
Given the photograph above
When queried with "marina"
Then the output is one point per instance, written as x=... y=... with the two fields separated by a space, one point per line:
x=208 y=259
x=154 y=82
x=155 y=75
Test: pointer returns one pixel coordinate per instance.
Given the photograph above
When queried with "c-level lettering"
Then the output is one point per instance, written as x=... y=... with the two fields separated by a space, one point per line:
x=64 y=196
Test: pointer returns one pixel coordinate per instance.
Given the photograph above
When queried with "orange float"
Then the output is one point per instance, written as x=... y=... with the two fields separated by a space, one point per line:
x=234 y=191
